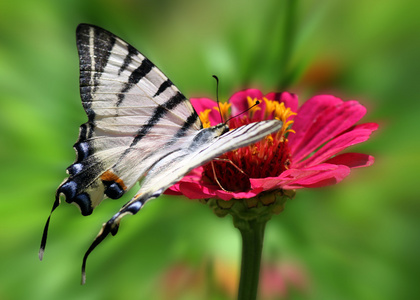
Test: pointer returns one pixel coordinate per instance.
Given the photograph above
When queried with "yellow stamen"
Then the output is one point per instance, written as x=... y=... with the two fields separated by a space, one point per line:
x=204 y=117
x=252 y=102
x=270 y=106
x=282 y=113
x=269 y=140
x=224 y=110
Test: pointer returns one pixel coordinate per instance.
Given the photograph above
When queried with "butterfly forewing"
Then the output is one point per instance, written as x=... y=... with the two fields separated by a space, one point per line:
x=133 y=109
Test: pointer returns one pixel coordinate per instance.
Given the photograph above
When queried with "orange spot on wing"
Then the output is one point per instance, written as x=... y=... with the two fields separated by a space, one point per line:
x=111 y=176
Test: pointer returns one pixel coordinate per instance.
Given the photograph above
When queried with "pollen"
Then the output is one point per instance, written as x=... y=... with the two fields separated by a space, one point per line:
x=224 y=109
x=270 y=107
x=204 y=118
x=251 y=102
x=282 y=113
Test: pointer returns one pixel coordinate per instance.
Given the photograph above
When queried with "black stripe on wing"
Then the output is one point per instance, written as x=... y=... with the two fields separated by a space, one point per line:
x=129 y=58
x=92 y=64
x=159 y=112
x=145 y=67
x=191 y=120
x=166 y=84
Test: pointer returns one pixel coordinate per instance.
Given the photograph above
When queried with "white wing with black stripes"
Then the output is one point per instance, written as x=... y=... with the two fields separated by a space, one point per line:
x=138 y=123
x=133 y=109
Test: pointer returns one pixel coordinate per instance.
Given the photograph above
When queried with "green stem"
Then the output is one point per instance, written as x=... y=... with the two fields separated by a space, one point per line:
x=252 y=232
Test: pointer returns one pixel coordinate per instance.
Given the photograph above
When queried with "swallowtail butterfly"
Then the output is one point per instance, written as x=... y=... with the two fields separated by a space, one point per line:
x=140 y=127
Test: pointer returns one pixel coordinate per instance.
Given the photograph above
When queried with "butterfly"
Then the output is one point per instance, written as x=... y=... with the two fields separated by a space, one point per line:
x=140 y=128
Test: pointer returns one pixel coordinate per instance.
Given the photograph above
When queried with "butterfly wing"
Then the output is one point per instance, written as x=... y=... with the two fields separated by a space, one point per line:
x=133 y=110
x=202 y=148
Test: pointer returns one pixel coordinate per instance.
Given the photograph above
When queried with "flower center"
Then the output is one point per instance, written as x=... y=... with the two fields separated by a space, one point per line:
x=266 y=158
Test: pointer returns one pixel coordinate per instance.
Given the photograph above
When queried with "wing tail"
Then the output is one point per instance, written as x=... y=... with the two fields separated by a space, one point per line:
x=47 y=224
x=131 y=208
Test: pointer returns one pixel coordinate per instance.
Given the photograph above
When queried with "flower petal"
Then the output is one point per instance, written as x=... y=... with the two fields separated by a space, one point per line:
x=317 y=176
x=239 y=100
x=199 y=190
x=193 y=176
x=224 y=195
x=352 y=160
x=195 y=190
x=201 y=104
x=320 y=119
x=357 y=134
x=324 y=175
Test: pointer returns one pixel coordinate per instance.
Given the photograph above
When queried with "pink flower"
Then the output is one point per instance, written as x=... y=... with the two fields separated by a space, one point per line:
x=305 y=153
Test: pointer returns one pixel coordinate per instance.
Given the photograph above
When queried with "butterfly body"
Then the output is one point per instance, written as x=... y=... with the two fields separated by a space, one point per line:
x=140 y=127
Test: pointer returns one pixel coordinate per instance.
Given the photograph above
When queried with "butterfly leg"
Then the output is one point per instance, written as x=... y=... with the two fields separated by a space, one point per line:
x=232 y=163
x=227 y=161
x=215 y=177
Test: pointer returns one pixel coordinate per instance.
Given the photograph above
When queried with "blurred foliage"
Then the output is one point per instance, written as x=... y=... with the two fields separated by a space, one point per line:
x=356 y=240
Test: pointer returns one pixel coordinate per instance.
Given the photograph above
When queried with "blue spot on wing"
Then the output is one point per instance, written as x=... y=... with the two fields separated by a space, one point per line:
x=70 y=191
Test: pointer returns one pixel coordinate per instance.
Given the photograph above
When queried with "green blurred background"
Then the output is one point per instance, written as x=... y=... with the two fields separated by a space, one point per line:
x=356 y=240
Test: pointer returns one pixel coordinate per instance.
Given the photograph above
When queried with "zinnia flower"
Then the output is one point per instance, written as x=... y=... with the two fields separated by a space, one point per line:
x=305 y=153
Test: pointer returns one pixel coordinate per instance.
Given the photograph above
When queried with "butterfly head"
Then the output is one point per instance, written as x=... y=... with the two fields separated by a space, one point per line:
x=220 y=129
x=207 y=135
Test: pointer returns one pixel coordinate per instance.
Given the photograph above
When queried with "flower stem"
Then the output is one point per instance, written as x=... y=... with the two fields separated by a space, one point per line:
x=252 y=232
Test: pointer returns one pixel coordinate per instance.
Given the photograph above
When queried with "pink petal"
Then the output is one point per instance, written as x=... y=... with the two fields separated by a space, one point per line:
x=173 y=190
x=320 y=119
x=196 y=190
x=352 y=160
x=326 y=175
x=194 y=176
x=239 y=100
x=370 y=126
x=291 y=175
x=201 y=104
x=238 y=195
x=309 y=111
x=320 y=175
x=357 y=134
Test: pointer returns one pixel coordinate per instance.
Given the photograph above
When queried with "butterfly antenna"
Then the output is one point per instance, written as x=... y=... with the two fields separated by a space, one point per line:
x=217 y=97
x=256 y=103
